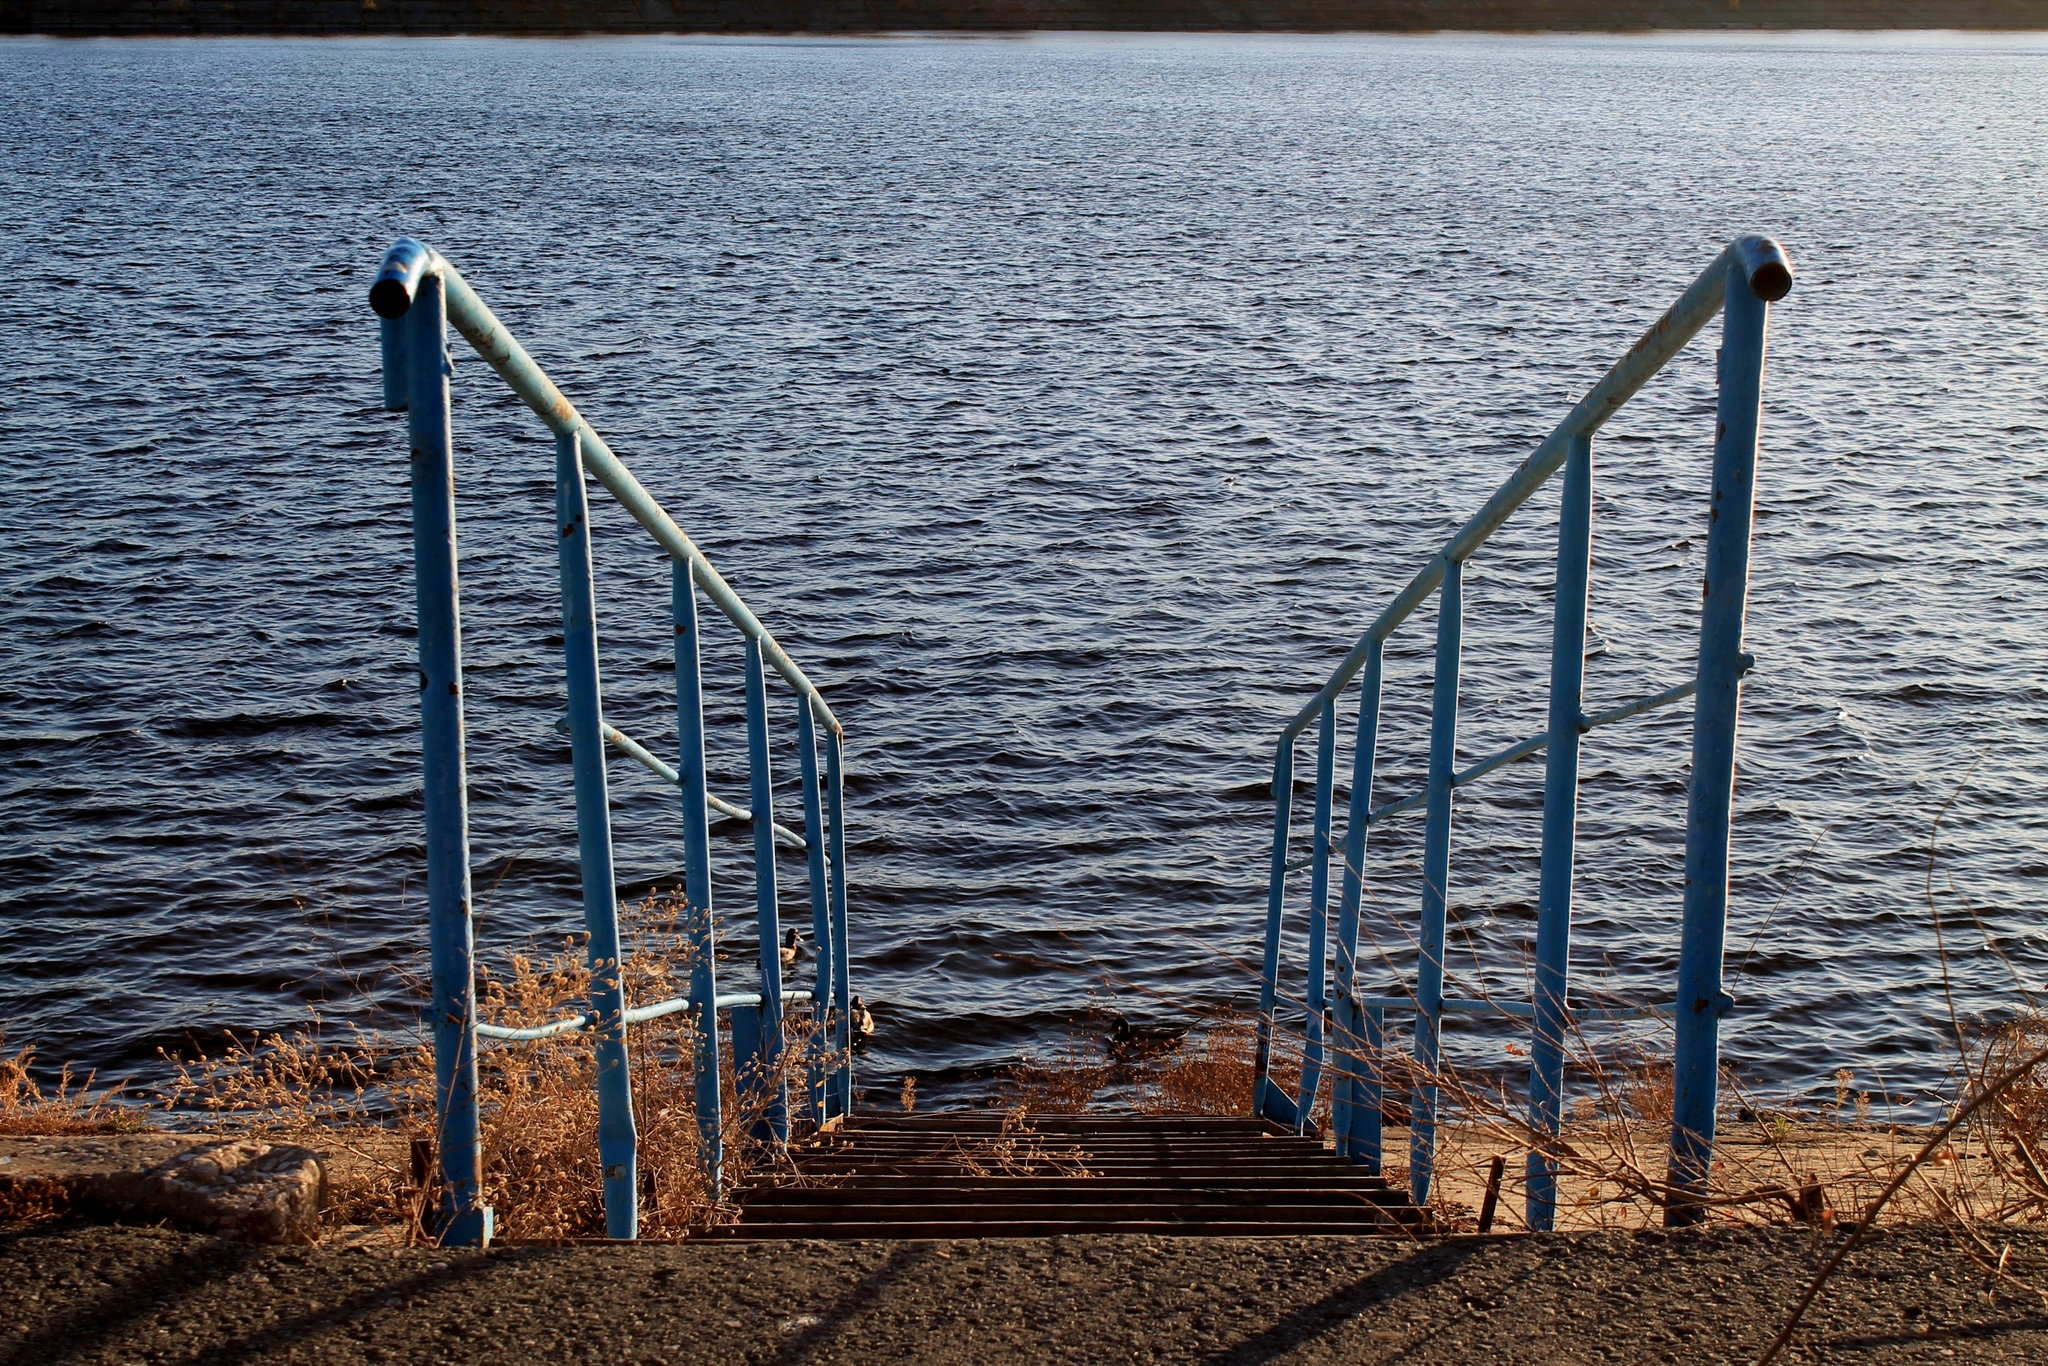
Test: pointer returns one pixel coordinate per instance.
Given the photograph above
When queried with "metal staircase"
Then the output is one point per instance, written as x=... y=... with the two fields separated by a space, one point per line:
x=986 y=1176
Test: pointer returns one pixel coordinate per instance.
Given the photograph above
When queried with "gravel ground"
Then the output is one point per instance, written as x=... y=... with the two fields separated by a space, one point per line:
x=112 y=1294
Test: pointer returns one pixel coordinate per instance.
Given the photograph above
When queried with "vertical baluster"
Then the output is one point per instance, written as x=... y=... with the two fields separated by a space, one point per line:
x=1346 y=1111
x=774 y=1123
x=835 y=812
x=1560 y=822
x=1266 y=1097
x=1722 y=663
x=464 y=1220
x=700 y=929
x=1318 y=916
x=821 y=909
x=1369 y=1132
x=616 y=1140
x=1436 y=878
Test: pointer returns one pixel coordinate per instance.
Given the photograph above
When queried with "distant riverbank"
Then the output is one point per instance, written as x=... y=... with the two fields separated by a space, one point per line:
x=335 y=17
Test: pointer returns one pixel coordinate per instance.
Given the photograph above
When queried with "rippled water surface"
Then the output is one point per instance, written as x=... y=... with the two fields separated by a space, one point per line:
x=1066 y=405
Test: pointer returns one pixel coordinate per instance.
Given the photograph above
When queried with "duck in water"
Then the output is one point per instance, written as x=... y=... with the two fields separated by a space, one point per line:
x=792 y=947
x=861 y=1025
x=1127 y=1040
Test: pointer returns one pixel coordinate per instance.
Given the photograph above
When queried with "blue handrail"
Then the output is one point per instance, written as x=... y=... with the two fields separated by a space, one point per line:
x=417 y=293
x=1744 y=279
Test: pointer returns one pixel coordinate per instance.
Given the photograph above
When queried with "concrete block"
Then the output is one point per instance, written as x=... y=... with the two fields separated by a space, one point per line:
x=266 y=1193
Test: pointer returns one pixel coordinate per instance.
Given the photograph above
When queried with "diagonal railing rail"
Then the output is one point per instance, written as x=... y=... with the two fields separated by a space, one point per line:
x=417 y=293
x=1743 y=281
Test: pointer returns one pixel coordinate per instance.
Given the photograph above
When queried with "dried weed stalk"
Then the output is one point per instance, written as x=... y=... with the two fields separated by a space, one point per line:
x=369 y=1101
x=70 y=1107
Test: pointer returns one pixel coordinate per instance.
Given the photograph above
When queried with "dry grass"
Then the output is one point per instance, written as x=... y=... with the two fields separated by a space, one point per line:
x=368 y=1102
x=1210 y=1073
x=1070 y=1079
x=72 y=1106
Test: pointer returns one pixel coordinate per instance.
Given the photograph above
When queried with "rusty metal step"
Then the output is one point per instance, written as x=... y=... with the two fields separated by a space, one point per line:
x=1165 y=1228
x=1188 y=1176
x=1183 y=1212
x=912 y=1182
x=1112 y=1123
x=1076 y=1194
x=1185 y=1171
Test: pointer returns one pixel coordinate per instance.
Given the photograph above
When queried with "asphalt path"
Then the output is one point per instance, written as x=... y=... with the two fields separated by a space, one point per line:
x=147 y=1295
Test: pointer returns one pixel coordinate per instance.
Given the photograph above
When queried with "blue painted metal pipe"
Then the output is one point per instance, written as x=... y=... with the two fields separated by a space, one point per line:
x=821 y=910
x=1436 y=879
x=1722 y=663
x=1560 y=824
x=1266 y=1097
x=835 y=815
x=405 y=264
x=640 y=754
x=1349 y=1119
x=773 y=1125
x=617 y=1141
x=675 y=1005
x=1318 y=920
x=464 y=1220
x=700 y=926
x=1758 y=259
x=1368 y=1133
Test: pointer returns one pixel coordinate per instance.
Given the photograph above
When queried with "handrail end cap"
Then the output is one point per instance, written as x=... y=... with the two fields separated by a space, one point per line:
x=398 y=278
x=1765 y=267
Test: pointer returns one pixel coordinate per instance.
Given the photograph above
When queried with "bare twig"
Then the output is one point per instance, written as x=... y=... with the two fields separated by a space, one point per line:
x=1869 y=1217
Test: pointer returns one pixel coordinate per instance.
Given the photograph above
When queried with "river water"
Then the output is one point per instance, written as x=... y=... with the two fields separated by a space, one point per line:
x=1066 y=405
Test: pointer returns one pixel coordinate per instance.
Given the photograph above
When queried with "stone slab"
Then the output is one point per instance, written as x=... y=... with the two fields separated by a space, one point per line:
x=264 y=1192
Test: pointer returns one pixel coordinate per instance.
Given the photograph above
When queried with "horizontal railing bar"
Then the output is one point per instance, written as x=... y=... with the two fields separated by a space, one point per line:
x=1642 y=704
x=1527 y=747
x=491 y=1031
x=503 y=353
x=637 y=1015
x=653 y=762
x=1538 y=742
x=1664 y=339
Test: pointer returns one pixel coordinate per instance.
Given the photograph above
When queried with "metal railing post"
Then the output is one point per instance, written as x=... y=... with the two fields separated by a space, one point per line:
x=1263 y=1090
x=1722 y=663
x=1368 y=1122
x=1347 y=1096
x=821 y=912
x=1318 y=917
x=700 y=928
x=773 y=1126
x=617 y=1142
x=1560 y=824
x=464 y=1220
x=1436 y=878
x=835 y=813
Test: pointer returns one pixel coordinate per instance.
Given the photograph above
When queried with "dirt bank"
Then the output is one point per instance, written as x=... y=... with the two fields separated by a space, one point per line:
x=849 y=16
x=146 y=1295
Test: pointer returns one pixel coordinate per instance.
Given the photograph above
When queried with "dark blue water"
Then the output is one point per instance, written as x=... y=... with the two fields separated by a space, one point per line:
x=1066 y=406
